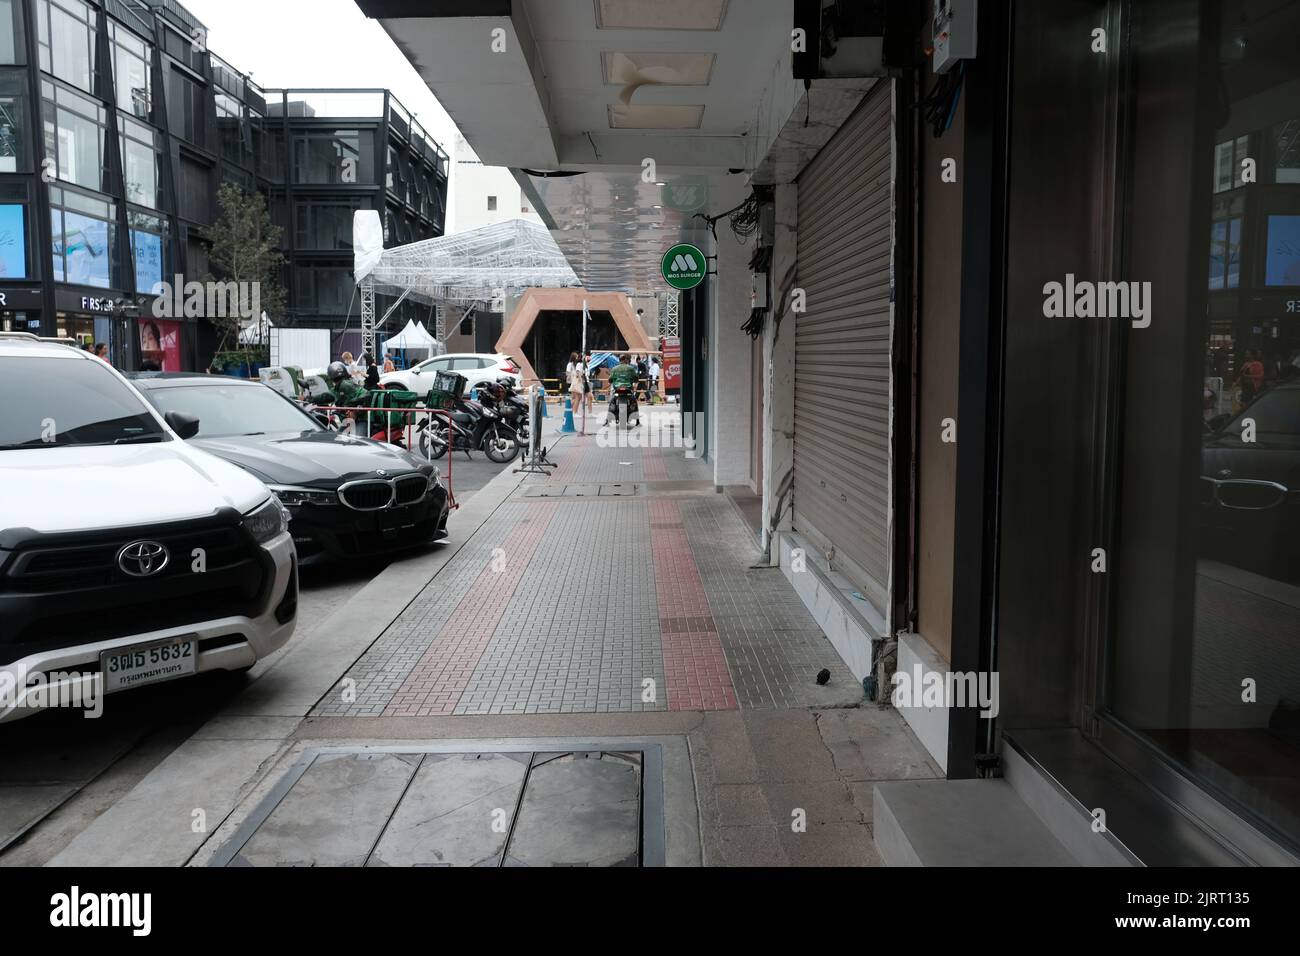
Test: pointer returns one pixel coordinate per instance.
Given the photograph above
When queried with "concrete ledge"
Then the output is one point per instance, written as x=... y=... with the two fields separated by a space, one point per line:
x=851 y=624
x=1061 y=813
x=930 y=724
x=960 y=823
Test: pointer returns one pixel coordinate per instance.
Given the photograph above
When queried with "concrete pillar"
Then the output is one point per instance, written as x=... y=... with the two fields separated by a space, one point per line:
x=778 y=362
x=731 y=362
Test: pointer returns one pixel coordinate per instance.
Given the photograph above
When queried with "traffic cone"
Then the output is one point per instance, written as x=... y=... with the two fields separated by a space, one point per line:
x=568 y=427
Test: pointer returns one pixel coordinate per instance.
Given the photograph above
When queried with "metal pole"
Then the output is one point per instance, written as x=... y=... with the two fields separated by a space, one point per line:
x=367 y=290
x=583 y=429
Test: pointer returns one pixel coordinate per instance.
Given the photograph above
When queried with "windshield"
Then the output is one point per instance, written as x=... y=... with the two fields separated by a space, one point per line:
x=227 y=410
x=51 y=402
x=1276 y=415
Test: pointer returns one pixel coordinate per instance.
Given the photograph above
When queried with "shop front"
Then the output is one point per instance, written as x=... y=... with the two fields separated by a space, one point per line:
x=20 y=309
x=91 y=319
x=1140 y=534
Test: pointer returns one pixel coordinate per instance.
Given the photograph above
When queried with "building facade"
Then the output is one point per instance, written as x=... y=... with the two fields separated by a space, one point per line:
x=485 y=195
x=118 y=125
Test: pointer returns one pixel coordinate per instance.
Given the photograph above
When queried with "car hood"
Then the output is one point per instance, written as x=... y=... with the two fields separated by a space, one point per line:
x=321 y=458
x=90 y=487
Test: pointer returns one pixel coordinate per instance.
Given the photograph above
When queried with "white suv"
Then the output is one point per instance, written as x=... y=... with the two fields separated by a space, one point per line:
x=477 y=369
x=127 y=556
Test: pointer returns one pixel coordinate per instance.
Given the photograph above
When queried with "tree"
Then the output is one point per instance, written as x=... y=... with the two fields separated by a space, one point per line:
x=245 y=250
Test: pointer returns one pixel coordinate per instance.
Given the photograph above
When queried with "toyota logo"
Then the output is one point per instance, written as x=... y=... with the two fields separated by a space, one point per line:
x=142 y=559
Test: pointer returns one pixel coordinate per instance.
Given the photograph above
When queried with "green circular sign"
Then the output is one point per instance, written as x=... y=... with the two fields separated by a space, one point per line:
x=684 y=266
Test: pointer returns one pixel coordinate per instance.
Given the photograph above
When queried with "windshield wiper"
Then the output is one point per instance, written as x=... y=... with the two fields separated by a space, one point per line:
x=139 y=439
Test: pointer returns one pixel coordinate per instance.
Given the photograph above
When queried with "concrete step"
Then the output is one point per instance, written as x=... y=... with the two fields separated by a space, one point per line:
x=961 y=823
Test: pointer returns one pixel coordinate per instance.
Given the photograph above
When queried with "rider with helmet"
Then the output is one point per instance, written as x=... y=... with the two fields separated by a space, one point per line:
x=346 y=390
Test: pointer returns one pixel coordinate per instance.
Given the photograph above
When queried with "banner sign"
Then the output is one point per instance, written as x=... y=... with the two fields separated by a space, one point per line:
x=672 y=346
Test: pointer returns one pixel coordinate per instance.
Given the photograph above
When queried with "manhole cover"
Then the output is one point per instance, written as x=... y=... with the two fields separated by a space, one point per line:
x=459 y=806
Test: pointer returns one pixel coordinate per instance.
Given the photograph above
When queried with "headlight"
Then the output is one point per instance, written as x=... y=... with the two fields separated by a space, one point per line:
x=267 y=521
x=292 y=496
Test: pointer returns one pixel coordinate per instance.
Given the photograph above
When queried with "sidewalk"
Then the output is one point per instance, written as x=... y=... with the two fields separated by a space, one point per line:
x=615 y=600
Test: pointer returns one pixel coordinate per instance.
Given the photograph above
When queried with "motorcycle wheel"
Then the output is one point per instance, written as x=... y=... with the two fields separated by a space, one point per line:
x=433 y=442
x=499 y=448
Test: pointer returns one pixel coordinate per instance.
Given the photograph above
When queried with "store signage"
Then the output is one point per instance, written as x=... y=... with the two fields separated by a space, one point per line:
x=684 y=266
x=672 y=363
x=96 y=304
x=19 y=300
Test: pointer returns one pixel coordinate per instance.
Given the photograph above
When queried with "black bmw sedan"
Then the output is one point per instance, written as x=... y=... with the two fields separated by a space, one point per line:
x=346 y=495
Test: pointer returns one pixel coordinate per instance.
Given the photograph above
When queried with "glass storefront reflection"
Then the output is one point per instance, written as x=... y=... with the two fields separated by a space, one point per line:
x=1219 y=692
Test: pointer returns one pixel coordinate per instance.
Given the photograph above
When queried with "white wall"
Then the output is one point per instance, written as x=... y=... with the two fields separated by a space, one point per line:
x=471 y=185
x=731 y=356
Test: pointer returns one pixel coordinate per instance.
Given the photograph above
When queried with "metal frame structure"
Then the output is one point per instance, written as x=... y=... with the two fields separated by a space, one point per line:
x=479 y=267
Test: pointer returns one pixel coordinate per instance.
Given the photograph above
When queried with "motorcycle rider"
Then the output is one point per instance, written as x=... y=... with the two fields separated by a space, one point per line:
x=623 y=375
x=346 y=390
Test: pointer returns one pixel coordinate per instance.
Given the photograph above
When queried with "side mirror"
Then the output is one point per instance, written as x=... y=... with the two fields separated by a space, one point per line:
x=186 y=426
x=1219 y=422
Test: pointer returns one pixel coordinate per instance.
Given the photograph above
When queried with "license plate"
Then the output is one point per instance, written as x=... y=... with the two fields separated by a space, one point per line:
x=148 y=663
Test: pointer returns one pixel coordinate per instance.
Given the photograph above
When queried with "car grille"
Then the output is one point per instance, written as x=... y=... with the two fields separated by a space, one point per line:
x=410 y=489
x=379 y=493
x=367 y=495
x=63 y=590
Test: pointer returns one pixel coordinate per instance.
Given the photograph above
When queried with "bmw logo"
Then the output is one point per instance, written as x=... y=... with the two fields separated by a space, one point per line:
x=143 y=559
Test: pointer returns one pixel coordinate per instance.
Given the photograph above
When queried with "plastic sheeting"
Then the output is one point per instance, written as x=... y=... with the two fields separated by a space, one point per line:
x=367 y=242
x=480 y=265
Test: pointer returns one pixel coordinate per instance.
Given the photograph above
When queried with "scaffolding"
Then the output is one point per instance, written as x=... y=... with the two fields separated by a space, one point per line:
x=477 y=269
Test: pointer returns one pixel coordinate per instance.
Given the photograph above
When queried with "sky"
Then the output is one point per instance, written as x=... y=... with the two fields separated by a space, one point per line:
x=318 y=43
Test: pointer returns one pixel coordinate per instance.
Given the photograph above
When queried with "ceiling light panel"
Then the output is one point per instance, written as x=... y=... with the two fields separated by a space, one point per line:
x=655 y=116
x=660 y=14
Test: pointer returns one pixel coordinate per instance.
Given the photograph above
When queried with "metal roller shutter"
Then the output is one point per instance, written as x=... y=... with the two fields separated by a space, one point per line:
x=842 y=393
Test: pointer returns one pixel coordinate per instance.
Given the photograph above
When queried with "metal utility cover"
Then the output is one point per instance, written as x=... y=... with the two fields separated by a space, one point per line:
x=459 y=805
x=618 y=489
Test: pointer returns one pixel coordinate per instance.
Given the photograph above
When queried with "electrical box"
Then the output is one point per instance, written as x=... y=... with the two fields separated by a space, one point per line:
x=953 y=36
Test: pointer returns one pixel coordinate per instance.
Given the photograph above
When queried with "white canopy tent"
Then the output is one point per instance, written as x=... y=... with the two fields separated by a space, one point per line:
x=413 y=337
x=468 y=268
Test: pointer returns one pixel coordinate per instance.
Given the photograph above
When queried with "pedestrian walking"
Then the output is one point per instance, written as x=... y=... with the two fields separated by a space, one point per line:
x=654 y=379
x=372 y=371
x=592 y=381
x=576 y=374
x=643 y=376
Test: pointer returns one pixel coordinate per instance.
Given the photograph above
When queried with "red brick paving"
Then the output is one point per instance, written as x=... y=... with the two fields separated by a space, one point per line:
x=652 y=464
x=695 y=668
x=436 y=683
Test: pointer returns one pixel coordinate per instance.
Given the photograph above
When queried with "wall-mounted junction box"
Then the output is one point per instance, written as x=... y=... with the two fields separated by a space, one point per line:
x=953 y=36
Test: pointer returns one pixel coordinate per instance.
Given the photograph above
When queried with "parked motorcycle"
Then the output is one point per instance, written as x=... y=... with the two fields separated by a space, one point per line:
x=510 y=405
x=473 y=427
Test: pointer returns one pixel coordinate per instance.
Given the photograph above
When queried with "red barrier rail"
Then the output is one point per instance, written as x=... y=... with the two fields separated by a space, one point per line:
x=406 y=429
